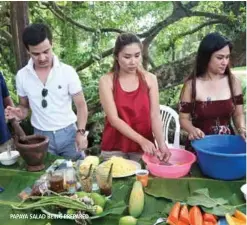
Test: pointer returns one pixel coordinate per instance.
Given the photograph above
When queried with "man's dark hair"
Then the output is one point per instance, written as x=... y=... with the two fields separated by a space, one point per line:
x=36 y=33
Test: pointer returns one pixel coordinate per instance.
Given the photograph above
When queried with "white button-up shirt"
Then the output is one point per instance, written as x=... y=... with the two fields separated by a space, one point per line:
x=62 y=83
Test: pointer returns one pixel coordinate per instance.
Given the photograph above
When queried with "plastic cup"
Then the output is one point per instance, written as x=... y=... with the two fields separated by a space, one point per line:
x=104 y=181
x=142 y=176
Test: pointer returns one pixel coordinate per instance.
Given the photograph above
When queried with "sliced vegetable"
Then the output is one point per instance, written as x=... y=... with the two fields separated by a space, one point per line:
x=174 y=213
x=209 y=223
x=195 y=216
x=170 y=222
x=209 y=217
x=180 y=222
x=240 y=215
x=184 y=214
x=229 y=219
x=238 y=221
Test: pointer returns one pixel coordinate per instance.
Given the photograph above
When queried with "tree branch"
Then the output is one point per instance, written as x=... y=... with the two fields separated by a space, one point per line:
x=92 y=59
x=163 y=22
x=183 y=34
x=180 y=11
x=59 y=13
x=211 y=15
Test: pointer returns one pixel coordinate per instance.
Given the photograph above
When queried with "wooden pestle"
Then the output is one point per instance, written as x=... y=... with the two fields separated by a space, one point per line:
x=19 y=132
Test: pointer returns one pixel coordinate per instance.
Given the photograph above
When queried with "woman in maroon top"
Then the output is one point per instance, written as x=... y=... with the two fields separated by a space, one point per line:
x=212 y=96
x=130 y=98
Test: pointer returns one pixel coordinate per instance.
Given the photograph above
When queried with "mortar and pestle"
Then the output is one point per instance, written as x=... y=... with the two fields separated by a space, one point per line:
x=32 y=148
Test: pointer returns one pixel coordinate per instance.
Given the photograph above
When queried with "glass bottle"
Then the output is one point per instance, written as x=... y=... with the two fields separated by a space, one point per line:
x=70 y=178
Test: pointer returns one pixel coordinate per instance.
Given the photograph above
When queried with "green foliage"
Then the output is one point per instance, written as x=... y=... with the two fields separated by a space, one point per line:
x=170 y=96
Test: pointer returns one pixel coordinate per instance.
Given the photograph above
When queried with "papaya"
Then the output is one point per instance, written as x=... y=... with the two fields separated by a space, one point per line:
x=85 y=165
x=91 y=160
x=136 y=201
x=127 y=220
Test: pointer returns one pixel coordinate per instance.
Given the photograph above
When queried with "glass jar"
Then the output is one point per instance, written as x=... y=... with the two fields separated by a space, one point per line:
x=57 y=181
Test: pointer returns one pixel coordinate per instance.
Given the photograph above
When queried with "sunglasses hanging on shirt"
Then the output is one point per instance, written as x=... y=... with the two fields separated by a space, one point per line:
x=44 y=94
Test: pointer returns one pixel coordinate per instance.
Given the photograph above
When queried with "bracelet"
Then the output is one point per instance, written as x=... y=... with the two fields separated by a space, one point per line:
x=241 y=129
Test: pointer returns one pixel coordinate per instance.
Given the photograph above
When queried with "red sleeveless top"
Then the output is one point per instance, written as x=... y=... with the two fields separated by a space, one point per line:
x=133 y=108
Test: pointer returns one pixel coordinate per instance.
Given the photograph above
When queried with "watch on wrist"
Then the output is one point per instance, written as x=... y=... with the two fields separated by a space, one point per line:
x=81 y=131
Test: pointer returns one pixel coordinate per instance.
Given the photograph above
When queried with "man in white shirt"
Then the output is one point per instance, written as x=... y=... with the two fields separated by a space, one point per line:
x=47 y=87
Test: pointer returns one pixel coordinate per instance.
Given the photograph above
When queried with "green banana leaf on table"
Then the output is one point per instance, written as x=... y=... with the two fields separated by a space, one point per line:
x=159 y=198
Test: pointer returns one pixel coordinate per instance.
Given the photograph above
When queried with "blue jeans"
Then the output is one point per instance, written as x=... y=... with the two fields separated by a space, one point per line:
x=62 y=142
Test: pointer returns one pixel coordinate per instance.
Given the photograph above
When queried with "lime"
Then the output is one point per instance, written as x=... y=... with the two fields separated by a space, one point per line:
x=98 y=210
x=98 y=199
x=127 y=220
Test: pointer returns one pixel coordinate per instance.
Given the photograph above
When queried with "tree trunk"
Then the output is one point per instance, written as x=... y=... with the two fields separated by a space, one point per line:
x=19 y=20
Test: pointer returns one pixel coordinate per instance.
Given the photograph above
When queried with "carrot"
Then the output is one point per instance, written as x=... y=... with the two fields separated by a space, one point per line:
x=238 y=221
x=184 y=214
x=240 y=215
x=173 y=215
x=195 y=216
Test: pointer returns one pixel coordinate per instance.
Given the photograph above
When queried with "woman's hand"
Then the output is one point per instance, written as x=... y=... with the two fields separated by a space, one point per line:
x=196 y=133
x=163 y=153
x=148 y=147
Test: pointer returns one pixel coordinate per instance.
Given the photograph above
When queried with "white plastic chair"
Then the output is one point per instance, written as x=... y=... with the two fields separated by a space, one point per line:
x=167 y=114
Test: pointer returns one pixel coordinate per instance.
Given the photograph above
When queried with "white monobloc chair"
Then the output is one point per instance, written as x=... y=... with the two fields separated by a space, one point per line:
x=167 y=114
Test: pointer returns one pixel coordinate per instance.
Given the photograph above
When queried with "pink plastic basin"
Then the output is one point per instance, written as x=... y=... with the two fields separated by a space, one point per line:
x=181 y=161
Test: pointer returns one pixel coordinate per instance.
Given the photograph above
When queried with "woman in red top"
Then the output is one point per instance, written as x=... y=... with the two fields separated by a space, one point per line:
x=130 y=98
x=212 y=96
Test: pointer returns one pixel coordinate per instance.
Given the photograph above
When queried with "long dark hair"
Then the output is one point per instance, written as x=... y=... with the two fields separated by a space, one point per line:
x=210 y=43
x=123 y=40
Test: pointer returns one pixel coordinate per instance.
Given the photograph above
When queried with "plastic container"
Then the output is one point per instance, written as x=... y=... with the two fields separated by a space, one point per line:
x=142 y=176
x=181 y=161
x=221 y=157
x=70 y=178
x=7 y=159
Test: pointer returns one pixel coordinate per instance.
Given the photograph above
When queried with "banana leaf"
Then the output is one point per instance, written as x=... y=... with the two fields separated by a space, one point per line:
x=159 y=198
x=15 y=181
x=214 y=196
x=181 y=189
